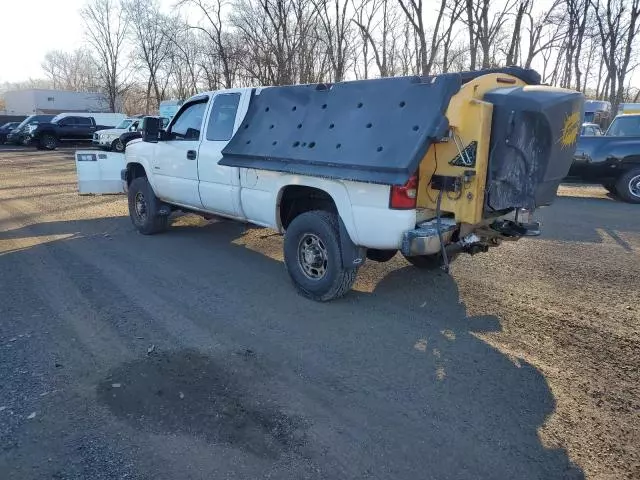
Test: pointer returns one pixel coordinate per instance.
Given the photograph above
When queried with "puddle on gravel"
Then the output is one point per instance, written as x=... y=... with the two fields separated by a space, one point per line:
x=190 y=393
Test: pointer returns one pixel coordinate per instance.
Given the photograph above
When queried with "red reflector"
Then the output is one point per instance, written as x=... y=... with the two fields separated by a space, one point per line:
x=404 y=196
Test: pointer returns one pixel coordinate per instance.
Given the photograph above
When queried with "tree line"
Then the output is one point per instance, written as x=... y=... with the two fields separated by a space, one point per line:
x=137 y=52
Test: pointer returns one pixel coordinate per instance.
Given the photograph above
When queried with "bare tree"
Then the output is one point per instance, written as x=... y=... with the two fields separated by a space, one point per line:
x=486 y=27
x=212 y=26
x=618 y=26
x=106 y=31
x=283 y=42
x=335 y=21
x=378 y=25
x=182 y=56
x=516 y=37
x=151 y=45
x=74 y=70
x=545 y=32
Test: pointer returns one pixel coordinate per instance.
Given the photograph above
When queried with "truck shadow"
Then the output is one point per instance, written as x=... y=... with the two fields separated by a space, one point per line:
x=386 y=383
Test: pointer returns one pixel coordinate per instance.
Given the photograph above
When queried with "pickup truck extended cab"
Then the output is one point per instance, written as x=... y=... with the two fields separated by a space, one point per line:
x=430 y=167
x=109 y=139
x=612 y=159
x=65 y=128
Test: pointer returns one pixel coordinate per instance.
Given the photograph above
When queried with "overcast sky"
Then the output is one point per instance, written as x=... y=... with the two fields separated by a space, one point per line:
x=30 y=28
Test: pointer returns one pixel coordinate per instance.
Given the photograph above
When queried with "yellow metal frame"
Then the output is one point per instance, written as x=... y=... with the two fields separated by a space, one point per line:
x=470 y=120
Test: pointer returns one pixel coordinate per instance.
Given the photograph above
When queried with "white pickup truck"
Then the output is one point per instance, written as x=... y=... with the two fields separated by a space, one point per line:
x=330 y=225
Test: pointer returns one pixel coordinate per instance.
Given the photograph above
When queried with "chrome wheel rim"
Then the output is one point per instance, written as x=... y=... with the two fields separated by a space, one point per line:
x=141 y=206
x=312 y=256
x=634 y=186
x=119 y=146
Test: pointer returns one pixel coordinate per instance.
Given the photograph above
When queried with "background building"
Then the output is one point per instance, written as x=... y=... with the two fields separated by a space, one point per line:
x=36 y=101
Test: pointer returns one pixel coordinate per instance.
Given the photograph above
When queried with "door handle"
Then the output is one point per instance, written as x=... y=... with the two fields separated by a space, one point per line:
x=191 y=154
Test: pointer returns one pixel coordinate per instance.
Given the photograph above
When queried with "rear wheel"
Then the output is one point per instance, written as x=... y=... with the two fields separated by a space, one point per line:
x=313 y=256
x=144 y=208
x=628 y=186
x=48 y=142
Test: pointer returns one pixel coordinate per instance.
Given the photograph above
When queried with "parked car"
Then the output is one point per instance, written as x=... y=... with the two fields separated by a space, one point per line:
x=590 y=130
x=18 y=136
x=612 y=159
x=109 y=139
x=371 y=187
x=6 y=129
x=132 y=134
x=70 y=127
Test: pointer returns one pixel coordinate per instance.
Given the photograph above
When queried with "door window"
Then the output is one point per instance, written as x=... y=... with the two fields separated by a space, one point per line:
x=83 y=121
x=223 y=116
x=187 y=125
x=67 y=121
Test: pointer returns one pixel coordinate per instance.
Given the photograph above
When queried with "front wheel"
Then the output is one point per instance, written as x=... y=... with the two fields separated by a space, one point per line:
x=117 y=146
x=628 y=186
x=48 y=142
x=313 y=258
x=144 y=208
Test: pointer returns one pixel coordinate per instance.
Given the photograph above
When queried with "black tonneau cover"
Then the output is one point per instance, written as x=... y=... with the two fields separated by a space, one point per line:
x=373 y=131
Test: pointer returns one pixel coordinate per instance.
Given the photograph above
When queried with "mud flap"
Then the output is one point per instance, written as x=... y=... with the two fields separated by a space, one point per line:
x=352 y=255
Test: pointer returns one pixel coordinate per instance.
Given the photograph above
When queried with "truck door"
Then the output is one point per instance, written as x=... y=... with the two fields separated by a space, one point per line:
x=220 y=185
x=175 y=163
x=85 y=128
x=67 y=128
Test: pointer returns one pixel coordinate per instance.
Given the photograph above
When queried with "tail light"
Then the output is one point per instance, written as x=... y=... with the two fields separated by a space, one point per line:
x=404 y=197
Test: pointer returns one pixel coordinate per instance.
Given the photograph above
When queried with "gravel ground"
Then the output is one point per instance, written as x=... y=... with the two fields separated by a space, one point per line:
x=188 y=354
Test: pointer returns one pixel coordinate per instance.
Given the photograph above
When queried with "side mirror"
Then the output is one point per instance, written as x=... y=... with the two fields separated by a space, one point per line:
x=151 y=129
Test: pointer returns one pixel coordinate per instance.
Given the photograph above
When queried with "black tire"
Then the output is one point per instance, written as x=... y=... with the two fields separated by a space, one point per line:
x=380 y=255
x=144 y=215
x=610 y=187
x=118 y=146
x=317 y=233
x=628 y=186
x=429 y=262
x=48 y=141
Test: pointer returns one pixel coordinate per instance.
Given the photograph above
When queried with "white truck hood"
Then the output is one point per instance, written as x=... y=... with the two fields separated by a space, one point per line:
x=112 y=131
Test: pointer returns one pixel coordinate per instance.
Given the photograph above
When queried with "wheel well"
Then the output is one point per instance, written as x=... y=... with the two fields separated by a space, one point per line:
x=135 y=170
x=297 y=199
x=631 y=162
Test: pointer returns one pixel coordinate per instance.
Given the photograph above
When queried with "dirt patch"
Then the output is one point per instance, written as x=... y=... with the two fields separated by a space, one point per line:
x=190 y=393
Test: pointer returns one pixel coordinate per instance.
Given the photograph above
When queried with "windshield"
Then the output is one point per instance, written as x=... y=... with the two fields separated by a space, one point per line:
x=125 y=124
x=625 y=126
x=26 y=121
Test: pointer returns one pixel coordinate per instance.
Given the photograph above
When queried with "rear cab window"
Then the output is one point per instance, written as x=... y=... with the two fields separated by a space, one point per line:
x=223 y=116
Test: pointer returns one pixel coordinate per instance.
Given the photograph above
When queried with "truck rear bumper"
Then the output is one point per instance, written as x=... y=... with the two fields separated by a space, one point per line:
x=424 y=239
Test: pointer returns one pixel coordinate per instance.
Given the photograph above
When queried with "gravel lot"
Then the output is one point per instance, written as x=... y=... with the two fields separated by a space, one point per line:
x=188 y=354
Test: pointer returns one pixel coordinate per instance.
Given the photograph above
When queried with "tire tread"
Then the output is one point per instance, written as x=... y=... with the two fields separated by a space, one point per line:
x=345 y=277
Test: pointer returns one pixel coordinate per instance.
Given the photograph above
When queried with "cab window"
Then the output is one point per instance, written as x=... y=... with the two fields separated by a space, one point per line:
x=83 y=121
x=67 y=121
x=189 y=122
